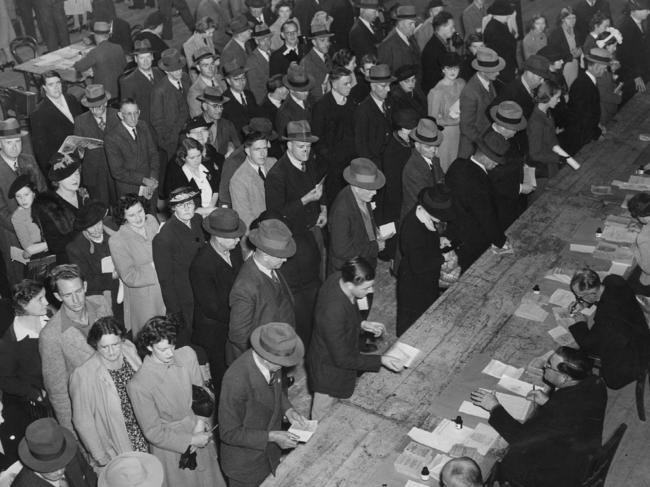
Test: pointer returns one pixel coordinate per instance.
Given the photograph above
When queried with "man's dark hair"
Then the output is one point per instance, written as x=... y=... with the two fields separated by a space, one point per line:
x=585 y=279
x=441 y=19
x=49 y=74
x=63 y=272
x=357 y=271
x=273 y=83
x=575 y=363
x=339 y=72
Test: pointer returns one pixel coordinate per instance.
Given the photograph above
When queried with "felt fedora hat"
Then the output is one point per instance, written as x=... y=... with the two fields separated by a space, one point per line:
x=255 y=3
x=213 y=95
x=297 y=78
x=232 y=69
x=501 y=7
x=494 y=146
x=195 y=123
x=132 y=469
x=225 y=223
x=508 y=114
x=405 y=118
x=63 y=166
x=363 y=173
x=278 y=343
x=10 y=129
x=426 y=132
x=47 y=446
x=436 y=200
x=171 y=60
x=488 y=61
x=538 y=65
x=380 y=73
x=141 y=47
x=261 y=125
x=552 y=54
x=299 y=131
x=238 y=25
x=319 y=29
x=273 y=237
x=261 y=30
x=202 y=53
x=181 y=195
x=369 y=4
x=405 y=12
x=94 y=96
x=598 y=55
x=89 y=215
x=101 y=27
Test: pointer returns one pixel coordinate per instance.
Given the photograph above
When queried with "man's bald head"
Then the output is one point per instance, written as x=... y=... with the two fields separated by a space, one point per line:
x=461 y=472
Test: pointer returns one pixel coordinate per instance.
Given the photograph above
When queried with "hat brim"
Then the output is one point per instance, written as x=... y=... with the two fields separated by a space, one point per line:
x=284 y=253
x=147 y=50
x=490 y=153
x=89 y=104
x=22 y=133
x=597 y=60
x=320 y=34
x=69 y=171
x=237 y=72
x=223 y=100
x=45 y=466
x=151 y=464
x=539 y=72
x=414 y=136
x=173 y=67
x=311 y=138
x=285 y=361
x=513 y=126
x=375 y=185
x=189 y=197
x=239 y=232
x=390 y=79
x=489 y=69
x=443 y=214
x=310 y=83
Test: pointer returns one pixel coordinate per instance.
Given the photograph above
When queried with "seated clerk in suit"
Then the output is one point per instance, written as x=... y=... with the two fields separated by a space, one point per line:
x=618 y=334
x=552 y=448
x=222 y=134
x=290 y=52
x=477 y=220
x=297 y=105
x=436 y=47
x=364 y=34
x=241 y=106
x=209 y=76
x=257 y=62
x=405 y=93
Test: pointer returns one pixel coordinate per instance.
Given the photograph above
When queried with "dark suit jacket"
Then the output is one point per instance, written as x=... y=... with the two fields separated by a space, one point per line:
x=78 y=474
x=400 y=100
x=236 y=112
x=497 y=36
x=176 y=178
x=634 y=52
x=551 y=448
x=474 y=120
x=257 y=75
x=584 y=12
x=169 y=113
x=107 y=61
x=395 y=52
x=477 y=221
x=268 y=110
x=362 y=41
x=157 y=44
x=541 y=140
x=515 y=91
x=279 y=62
x=416 y=176
x=389 y=198
x=431 y=67
x=249 y=408
x=557 y=40
x=232 y=50
x=90 y=264
x=334 y=358
x=372 y=129
x=583 y=114
x=319 y=69
x=50 y=128
x=135 y=85
x=290 y=111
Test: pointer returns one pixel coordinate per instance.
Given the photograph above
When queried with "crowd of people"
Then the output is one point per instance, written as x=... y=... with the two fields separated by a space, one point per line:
x=223 y=221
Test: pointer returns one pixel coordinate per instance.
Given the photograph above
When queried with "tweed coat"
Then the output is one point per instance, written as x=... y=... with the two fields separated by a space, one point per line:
x=396 y=53
x=319 y=69
x=257 y=74
x=247 y=191
x=169 y=113
x=197 y=89
x=416 y=176
x=474 y=102
x=137 y=86
x=107 y=61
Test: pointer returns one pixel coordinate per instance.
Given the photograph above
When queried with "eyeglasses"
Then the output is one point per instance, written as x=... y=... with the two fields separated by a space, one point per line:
x=239 y=78
x=188 y=205
x=548 y=365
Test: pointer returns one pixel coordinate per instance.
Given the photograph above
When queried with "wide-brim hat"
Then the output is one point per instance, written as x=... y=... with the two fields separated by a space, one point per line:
x=19 y=183
x=261 y=125
x=488 y=61
x=89 y=215
x=538 y=65
x=238 y=25
x=598 y=55
x=319 y=29
x=363 y=173
x=297 y=78
x=255 y=3
x=299 y=131
x=371 y=4
x=261 y=30
x=224 y=223
x=501 y=7
x=405 y=12
x=553 y=54
x=63 y=166
x=406 y=71
x=213 y=95
x=181 y=195
x=10 y=129
x=202 y=53
x=494 y=146
x=508 y=114
x=426 y=132
x=232 y=69
x=405 y=118
x=141 y=47
x=94 y=96
x=380 y=73
x=278 y=343
x=195 y=123
x=132 y=469
x=274 y=238
x=171 y=60
x=437 y=202
x=101 y=27
x=47 y=446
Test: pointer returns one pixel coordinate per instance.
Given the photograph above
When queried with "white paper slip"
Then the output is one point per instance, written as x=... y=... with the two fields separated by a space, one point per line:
x=518 y=407
x=531 y=311
x=443 y=438
x=404 y=353
x=515 y=385
x=618 y=269
x=362 y=304
x=558 y=277
x=107 y=265
x=563 y=317
x=562 y=298
x=562 y=336
x=582 y=248
x=304 y=434
x=17 y=255
x=387 y=230
x=469 y=408
x=590 y=310
x=413 y=483
x=483 y=438
x=435 y=467
x=497 y=369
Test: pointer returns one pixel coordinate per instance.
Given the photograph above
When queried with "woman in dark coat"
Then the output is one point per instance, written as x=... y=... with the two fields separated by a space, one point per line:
x=405 y=93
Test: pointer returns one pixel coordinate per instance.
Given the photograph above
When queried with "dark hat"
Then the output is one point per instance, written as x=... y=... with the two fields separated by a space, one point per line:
x=195 y=123
x=63 y=165
x=278 y=343
x=598 y=55
x=273 y=237
x=436 y=200
x=261 y=125
x=225 y=223
x=171 y=60
x=493 y=145
x=638 y=4
x=213 y=95
x=238 y=25
x=202 y=53
x=10 y=129
x=181 y=195
x=132 y=469
x=89 y=215
x=450 y=59
x=363 y=173
x=374 y=4
x=154 y=19
x=19 y=183
x=261 y=30
x=435 y=3
x=46 y=446
x=552 y=54
x=94 y=96
x=404 y=12
x=538 y=65
x=232 y=68
x=380 y=73
x=299 y=131
x=255 y=3
x=488 y=61
x=426 y=132
x=501 y=7
x=508 y=114
x=141 y=47
x=405 y=118
x=406 y=71
x=102 y=27
x=319 y=29
x=297 y=78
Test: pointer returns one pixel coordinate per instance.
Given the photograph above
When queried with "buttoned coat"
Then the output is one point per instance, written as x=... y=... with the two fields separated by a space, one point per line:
x=474 y=102
x=497 y=36
x=230 y=166
x=107 y=61
x=247 y=191
x=290 y=111
x=169 y=113
x=362 y=41
x=197 y=41
x=257 y=75
x=137 y=86
x=396 y=53
x=542 y=138
x=238 y=114
x=220 y=15
x=233 y=51
x=88 y=256
x=431 y=62
x=372 y=129
x=583 y=113
x=197 y=89
x=279 y=62
x=319 y=69
x=78 y=474
x=416 y=176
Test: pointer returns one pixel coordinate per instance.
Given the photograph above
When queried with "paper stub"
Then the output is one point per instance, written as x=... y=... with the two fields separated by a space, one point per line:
x=107 y=265
x=497 y=369
x=515 y=385
x=17 y=255
x=562 y=336
x=531 y=311
x=362 y=304
x=618 y=268
x=406 y=354
x=387 y=230
x=588 y=311
x=304 y=434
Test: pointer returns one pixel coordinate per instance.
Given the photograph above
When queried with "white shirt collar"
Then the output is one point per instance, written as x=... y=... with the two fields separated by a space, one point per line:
x=264 y=54
x=402 y=36
x=300 y=103
x=147 y=74
x=377 y=102
x=338 y=98
x=262 y=268
x=367 y=24
x=10 y=162
x=484 y=82
x=295 y=162
x=275 y=102
x=21 y=331
x=523 y=82
x=288 y=49
x=428 y=161
x=591 y=77
x=243 y=46
x=261 y=367
x=319 y=54
x=478 y=164
x=129 y=129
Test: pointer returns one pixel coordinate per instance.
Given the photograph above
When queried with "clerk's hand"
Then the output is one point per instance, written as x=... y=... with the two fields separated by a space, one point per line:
x=485 y=399
x=538 y=397
x=373 y=327
x=639 y=84
x=392 y=363
x=201 y=439
x=295 y=418
x=283 y=439
x=322 y=219
x=314 y=195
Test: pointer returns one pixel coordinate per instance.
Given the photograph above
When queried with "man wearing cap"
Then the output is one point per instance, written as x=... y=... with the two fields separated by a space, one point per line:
x=399 y=46
x=425 y=31
x=497 y=36
x=139 y=84
x=260 y=293
x=438 y=45
x=297 y=105
x=153 y=27
x=257 y=62
x=253 y=404
x=475 y=99
x=96 y=123
x=290 y=52
x=241 y=105
x=317 y=61
x=107 y=60
x=365 y=34
x=180 y=6
x=132 y=469
x=634 y=51
x=223 y=135
x=423 y=167
x=50 y=456
x=237 y=49
x=208 y=66
x=212 y=274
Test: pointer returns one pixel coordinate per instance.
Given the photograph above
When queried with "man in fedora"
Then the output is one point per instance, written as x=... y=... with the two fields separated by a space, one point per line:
x=365 y=34
x=139 y=83
x=241 y=105
x=294 y=188
x=399 y=47
x=437 y=46
x=522 y=89
x=476 y=97
x=96 y=123
x=257 y=62
x=253 y=404
x=132 y=469
x=51 y=456
x=297 y=105
x=207 y=63
x=107 y=60
x=317 y=61
x=424 y=32
x=423 y=167
x=212 y=275
x=372 y=118
x=477 y=219
x=237 y=49
x=497 y=36
x=223 y=135
x=260 y=294
x=13 y=163
x=290 y=52
x=152 y=32
x=169 y=110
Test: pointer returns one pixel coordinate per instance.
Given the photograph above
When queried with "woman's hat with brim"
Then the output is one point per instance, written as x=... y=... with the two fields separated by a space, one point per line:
x=405 y=118
x=508 y=114
x=598 y=55
x=299 y=131
x=261 y=125
x=10 y=129
x=171 y=60
x=426 y=132
x=181 y=195
x=261 y=30
x=63 y=166
x=380 y=73
x=494 y=146
x=274 y=238
x=297 y=78
x=89 y=215
x=19 y=183
x=363 y=173
x=47 y=446
x=488 y=61
x=278 y=343
x=436 y=200
x=94 y=96
x=224 y=223
x=501 y=7
x=407 y=71
x=132 y=469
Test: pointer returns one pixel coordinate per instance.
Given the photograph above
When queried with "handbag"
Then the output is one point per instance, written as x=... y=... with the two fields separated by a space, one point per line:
x=202 y=402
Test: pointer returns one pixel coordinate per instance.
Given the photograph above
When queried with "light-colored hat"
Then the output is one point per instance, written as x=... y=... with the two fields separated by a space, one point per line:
x=132 y=469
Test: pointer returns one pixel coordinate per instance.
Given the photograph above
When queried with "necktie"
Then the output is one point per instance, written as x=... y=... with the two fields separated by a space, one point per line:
x=260 y=171
x=275 y=375
x=303 y=167
x=134 y=133
x=383 y=107
x=243 y=100
x=275 y=277
x=102 y=124
x=150 y=76
x=212 y=83
x=226 y=257
x=180 y=87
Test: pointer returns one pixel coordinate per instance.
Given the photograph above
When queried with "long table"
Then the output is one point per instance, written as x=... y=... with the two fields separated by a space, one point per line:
x=475 y=318
x=61 y=60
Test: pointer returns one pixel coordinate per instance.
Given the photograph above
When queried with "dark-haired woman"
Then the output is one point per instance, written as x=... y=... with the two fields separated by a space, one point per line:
x=131 y=249
x=161 y=394
x=102 y=413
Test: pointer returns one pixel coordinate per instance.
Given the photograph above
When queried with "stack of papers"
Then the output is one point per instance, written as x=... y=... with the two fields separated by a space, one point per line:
x=443 y=437
x=518 y=407
x=618 y=234
x=497 y=369
x=621 y=253
x=304 y=434
x=531 y=311
x=562 y=298
x=406 y=354
x=483 y=438
x=413 y=458
x=515 y=385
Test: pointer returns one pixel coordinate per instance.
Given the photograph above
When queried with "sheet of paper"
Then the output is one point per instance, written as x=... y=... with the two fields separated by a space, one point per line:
x=387 y=229
x=518 y=407
x=435 y=467
x=443 y=437
x=413 y=483
x=466 y=407
x=529 y=176
x=531 y=311
x=582 y=248
x=304 y=434
x=483 y=438
x=600 y=189
x=17 y=255
x=107 y=265
x=618 y=234
x=563 y=317
x=497 y=369
x=561 y=336
x=515 y=385
x=362 y=304
x=405 y=353
x=588 y=311
x=618 y=269
x=558 y=277
x=562 y=298
x=625 y=200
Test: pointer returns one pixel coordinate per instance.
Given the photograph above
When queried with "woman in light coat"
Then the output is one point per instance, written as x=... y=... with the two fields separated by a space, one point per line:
x=131 y=249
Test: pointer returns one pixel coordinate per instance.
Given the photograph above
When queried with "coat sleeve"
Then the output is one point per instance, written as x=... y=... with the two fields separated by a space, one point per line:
x=86 y=62
x=118 y=164
x=205 y=286
x=242 y=310
x=275 y=191
x=163 y=259
x=132 y=274
x=341 y=243
x=10 y=378
x=157 y=114
x=539 y=148
x=468 y=115
x=55 y=377
x=361 y=138
x=239 y=197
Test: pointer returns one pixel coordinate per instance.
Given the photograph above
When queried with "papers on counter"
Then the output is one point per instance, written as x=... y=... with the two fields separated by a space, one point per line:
x=497 y=369
x=582 y=248
x=304 y=434
x=107 y=265
x=562 y=297
x=406 y=354
x=387 y=230
x=562 y=337
x=618 y=269
x=483 y=437
x=558 y=276
x=518 y=407
x=443 y=437
x=17 y=255
x=413 y=483
x=531 y=311
x=467 y=407
x=515 y=385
